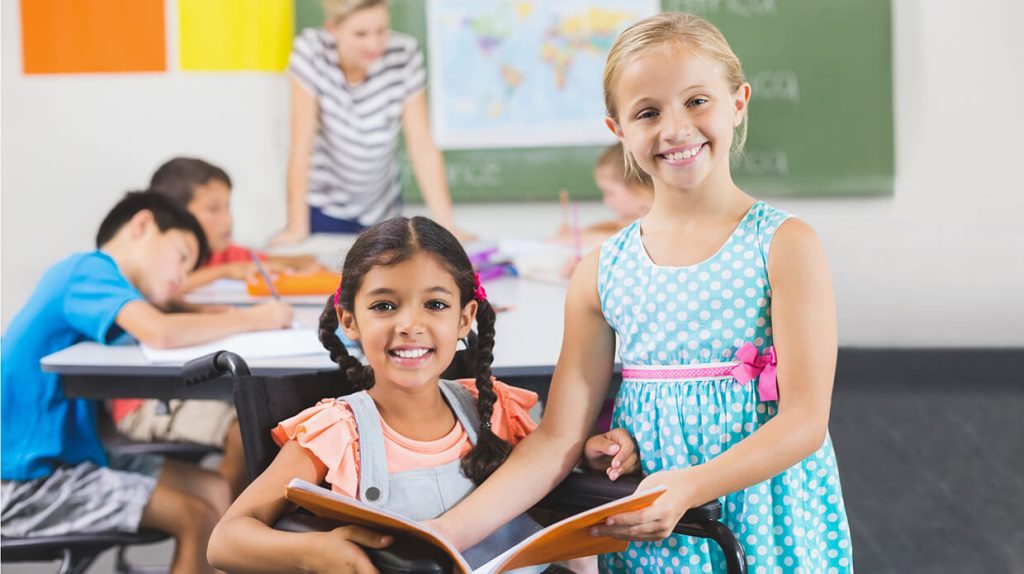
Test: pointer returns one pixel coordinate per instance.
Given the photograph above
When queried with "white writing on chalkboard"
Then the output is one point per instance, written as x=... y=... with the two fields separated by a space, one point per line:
x=737 y=7
x=764 y=162
x=775 y=85
x=477 y=173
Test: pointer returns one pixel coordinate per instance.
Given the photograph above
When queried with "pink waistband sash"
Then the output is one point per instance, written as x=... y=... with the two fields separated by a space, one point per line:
x=748 y=366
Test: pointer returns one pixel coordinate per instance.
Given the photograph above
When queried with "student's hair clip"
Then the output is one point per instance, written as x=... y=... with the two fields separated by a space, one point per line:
x=337 y=295
x=480 y=293
x=485 y=425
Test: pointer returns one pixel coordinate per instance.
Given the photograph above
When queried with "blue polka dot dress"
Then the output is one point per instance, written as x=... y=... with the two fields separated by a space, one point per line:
x=695 y=343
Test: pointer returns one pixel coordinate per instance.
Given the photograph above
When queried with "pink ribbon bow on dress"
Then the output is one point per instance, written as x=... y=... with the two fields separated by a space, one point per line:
x=761 y=367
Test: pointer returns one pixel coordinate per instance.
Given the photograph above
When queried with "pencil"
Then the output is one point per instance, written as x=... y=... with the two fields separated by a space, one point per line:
x=577 y=242
x=265 y=275
x=563 y=198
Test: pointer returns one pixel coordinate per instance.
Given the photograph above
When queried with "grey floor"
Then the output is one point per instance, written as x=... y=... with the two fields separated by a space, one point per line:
x=931 y=454
x=931 y=457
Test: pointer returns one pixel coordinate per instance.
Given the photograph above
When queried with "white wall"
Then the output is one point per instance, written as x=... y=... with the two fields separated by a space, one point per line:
x=940 y=263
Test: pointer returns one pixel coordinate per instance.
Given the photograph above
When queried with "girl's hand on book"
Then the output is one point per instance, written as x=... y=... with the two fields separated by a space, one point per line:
x=614 y=452
x=338 y=550
x=657 y=520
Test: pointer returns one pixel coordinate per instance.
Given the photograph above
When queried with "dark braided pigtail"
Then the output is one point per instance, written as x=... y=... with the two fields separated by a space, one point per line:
x=490 y=450
x=357 y=376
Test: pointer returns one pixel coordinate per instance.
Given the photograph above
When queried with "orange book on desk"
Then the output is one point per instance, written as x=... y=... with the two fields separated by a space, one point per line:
x=319 y=283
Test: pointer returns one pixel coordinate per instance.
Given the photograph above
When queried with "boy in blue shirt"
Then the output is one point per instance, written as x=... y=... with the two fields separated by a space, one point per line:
x=56 y=477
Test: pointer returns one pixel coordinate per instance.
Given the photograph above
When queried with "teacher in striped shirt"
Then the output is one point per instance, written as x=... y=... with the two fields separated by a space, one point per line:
x=354 y=84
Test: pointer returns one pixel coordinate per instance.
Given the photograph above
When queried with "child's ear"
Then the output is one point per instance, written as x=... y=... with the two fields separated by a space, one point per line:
x=740 y=100
x=613 y=126
x=347 y=321
x=140 y=223
x=467 y=317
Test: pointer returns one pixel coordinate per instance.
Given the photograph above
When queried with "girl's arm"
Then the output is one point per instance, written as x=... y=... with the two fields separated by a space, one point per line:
x=546 y=456
x=804 y=330
x=245 y=541
x=209 y=274
x=296 y=263
x=304 y=123
x=427 y=161
x=149 y=325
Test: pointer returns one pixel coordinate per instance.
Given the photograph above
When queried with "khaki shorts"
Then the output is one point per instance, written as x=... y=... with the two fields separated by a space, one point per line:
x=202 y=422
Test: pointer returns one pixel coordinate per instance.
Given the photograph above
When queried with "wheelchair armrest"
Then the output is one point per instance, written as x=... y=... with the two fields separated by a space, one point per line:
x=212 y=366
x=406 y=555
x=583 y=490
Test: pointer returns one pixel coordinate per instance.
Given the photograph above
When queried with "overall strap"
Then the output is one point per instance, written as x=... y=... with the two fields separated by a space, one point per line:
x=373 y=460
x=463 y=405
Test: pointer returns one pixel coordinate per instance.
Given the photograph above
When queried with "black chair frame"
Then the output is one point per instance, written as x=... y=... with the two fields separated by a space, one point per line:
x=263 y=401
x=76 y=552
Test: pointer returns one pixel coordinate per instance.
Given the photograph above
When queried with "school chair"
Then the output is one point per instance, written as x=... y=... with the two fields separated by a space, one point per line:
x=76 y=552
x=261 y=402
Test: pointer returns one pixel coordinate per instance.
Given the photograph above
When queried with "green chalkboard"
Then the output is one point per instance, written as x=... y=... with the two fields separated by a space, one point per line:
x=820 y=118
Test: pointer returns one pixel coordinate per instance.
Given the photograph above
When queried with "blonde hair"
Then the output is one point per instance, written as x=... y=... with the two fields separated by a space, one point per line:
x=664 y=32
x=337 y=10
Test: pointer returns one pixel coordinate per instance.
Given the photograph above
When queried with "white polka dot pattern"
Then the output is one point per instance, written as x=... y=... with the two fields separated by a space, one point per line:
x=701 y=315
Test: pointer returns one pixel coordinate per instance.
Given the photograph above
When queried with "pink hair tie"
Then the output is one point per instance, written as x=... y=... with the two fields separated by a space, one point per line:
x=480 y=293
x=337 y=295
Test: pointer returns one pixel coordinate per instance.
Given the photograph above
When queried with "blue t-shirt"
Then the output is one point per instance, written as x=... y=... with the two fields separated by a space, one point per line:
x=76 y=300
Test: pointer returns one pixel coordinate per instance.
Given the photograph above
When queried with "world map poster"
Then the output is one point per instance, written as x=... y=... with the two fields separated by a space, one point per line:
x=521 y=73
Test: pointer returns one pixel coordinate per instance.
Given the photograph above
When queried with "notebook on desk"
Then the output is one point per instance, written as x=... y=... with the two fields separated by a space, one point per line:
x=255 y=345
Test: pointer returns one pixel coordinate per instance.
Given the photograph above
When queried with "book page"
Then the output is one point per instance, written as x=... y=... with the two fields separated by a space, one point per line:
x=571 y=538
x=254 y=345
x=329 y=504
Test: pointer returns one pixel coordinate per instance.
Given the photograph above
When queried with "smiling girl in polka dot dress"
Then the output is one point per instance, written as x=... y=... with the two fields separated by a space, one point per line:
x=723 y=310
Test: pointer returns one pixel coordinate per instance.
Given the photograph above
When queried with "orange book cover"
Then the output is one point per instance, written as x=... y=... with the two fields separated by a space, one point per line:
x=569 y=538
x=319 y=283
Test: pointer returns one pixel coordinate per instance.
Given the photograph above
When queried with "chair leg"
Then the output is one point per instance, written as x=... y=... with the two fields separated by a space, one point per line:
x=121 y=565
x=72 y=564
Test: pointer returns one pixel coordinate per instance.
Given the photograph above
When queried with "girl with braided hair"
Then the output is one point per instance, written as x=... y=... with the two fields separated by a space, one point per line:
x=398 y=437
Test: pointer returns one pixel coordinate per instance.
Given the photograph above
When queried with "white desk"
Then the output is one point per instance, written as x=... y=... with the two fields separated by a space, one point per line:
x=528 y=339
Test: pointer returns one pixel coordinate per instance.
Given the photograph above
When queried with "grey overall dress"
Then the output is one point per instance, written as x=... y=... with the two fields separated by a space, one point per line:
x=425 y=493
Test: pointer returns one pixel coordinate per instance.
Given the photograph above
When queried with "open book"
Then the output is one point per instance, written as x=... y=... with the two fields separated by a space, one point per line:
x=569 y=538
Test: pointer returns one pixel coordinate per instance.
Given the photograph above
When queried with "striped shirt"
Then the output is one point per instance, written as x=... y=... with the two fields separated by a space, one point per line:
x=353 y=172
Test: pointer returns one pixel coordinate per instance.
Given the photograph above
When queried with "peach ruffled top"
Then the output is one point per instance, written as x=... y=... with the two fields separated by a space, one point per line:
x=328 y=433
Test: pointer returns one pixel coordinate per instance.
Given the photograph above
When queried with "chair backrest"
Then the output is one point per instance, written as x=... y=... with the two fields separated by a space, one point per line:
x=262 y=402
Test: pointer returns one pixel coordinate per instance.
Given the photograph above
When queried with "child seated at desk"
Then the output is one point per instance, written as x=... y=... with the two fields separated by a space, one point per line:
x=205 y=190
x=56 y=477
x=628 y=195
